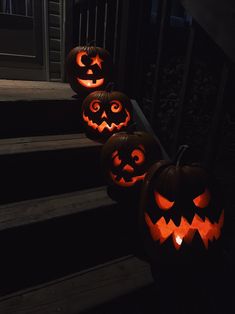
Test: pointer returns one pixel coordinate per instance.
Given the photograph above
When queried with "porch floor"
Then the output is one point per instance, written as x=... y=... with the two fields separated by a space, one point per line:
x=17 y=90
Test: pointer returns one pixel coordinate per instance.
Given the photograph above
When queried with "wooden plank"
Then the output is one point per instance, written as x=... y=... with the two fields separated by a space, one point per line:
x=55 y=77
x=54 y=32
x=81 y=291
x=44 y=143
x=54 y=7
x=55 y=66
x=16 y=90
x=54 y=20
x=55 y=56
x=37 y=210
x=55 y=44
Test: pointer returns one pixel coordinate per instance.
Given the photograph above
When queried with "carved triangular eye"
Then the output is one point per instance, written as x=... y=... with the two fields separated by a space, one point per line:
x=203 y=199
x=162 y=201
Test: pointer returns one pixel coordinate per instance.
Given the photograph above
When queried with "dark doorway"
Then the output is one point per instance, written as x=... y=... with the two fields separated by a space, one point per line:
x=22 y=45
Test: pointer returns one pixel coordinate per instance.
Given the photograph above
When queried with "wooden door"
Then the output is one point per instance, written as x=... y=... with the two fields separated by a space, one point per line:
x=22 y=44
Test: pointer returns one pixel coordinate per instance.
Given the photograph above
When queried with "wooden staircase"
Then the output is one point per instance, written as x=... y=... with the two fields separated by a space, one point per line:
x=65 y=245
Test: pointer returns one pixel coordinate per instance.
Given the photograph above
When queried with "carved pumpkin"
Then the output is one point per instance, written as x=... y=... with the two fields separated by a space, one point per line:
x=180 y=208
x=88 y=68
x=105 y=113
x=126 y=157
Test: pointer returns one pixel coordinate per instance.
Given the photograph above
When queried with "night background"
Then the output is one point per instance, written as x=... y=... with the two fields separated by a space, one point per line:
x=66 y=245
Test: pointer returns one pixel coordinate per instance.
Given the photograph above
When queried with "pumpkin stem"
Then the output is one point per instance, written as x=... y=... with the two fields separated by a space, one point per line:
x=180 y=153
x=109 y=87
x=92 y=42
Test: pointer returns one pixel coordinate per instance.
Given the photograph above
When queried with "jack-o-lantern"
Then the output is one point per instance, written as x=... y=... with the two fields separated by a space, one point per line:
x=126 y=157
x=105 y=113
x=89 y=68
x=181 y=208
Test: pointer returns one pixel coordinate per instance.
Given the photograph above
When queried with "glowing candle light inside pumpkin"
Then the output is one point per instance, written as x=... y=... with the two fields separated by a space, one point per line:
x=178 y=240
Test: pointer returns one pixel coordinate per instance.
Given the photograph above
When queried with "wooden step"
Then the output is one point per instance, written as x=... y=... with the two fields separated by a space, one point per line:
x=46 y=165
x=27 y=212
x=18 y=90
x=24 y=145
x=40 y=117
x=29 y=108
x=81 y=291
x=44 y=239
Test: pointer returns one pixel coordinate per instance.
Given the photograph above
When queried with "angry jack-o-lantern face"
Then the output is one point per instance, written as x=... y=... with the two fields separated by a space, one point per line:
x=105 y=113
x=88 y=68
x=126 y=157
x=181 y=207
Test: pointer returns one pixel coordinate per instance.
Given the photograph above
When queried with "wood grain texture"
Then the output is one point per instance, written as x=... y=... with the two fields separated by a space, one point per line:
x=55 y=44
x=17 y=90
x=81 y=291
x=44 y=143
x=37 y=210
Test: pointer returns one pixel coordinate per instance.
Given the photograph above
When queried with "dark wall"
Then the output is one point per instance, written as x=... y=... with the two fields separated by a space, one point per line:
x=218 y=19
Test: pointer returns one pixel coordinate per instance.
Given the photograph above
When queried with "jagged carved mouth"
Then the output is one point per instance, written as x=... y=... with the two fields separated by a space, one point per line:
x=91 y=83
x=105 y=125
x=208 y=231
x=125 y=183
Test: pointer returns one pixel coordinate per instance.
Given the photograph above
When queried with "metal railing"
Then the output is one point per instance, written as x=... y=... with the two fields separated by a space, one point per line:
x=219 y=66
x=114 y=23
x=98 y=21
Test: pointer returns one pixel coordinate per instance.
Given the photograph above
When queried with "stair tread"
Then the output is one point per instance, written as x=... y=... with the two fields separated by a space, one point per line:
x=41 y=209
x=83 y=290
x=45 y=143
x=17 y=90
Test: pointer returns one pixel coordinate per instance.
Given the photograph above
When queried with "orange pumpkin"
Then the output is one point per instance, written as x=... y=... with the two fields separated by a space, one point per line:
x=126 y=158
x=181 y=209
x=105 y=113
x=88 y=68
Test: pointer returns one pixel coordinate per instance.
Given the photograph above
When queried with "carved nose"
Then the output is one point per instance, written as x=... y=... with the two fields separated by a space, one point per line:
x=128 y=168
x=104 y=115
x=89 y=71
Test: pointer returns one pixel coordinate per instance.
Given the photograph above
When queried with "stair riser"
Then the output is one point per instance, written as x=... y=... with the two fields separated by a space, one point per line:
x=49 y=250
x=20 y=118
x=38 y=174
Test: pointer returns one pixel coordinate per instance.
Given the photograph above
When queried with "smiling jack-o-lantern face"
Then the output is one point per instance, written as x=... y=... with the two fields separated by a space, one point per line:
x=180 y=209
x=105 y=113
x=128 y=169
x=126 y=157
x=88 y=69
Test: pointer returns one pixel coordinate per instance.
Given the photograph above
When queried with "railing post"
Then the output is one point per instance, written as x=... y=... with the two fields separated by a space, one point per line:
x=164 y=10
x=183 y=91
x=219 y=113
x=121 y=66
